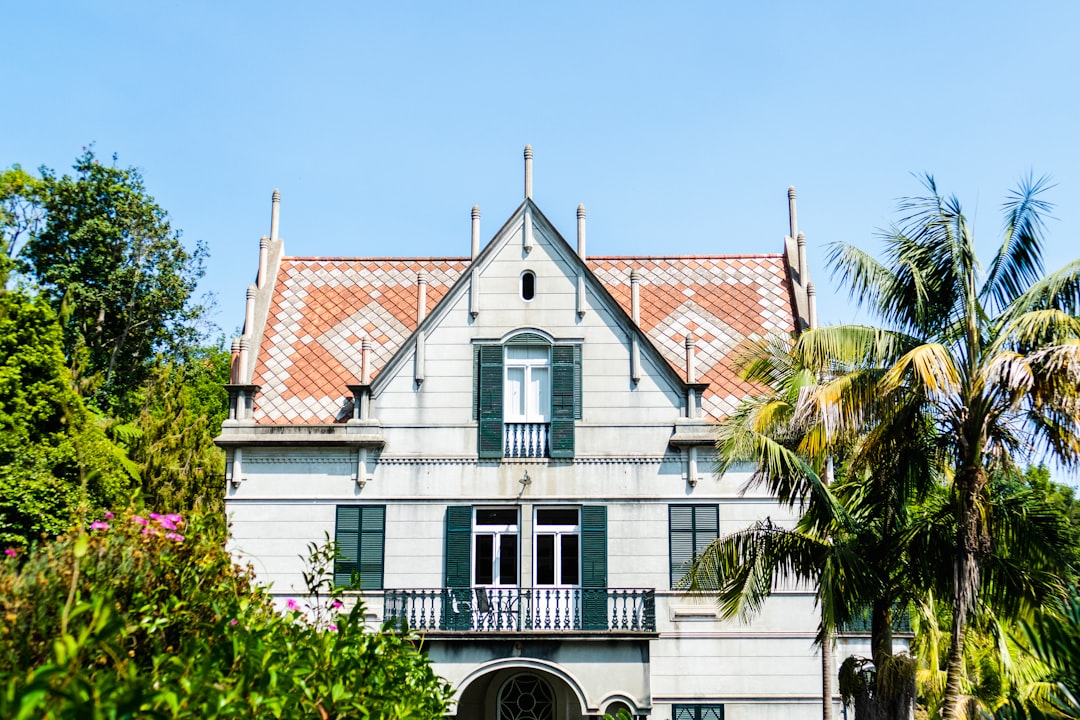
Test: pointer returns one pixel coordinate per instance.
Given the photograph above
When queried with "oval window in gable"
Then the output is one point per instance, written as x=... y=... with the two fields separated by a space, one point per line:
x=528 y=285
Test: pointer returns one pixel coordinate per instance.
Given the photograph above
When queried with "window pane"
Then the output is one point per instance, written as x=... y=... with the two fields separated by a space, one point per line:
x=484 y=562
x=570 y=560
x=539 y=394
x=514 y=395
x=557 y=516
x=545 y=559
x=508 y=574
x=527 y=352
x=496 y=516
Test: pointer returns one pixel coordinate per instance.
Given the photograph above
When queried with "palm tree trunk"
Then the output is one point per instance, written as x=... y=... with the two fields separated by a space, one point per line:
x=968 y=486
x=827 y=677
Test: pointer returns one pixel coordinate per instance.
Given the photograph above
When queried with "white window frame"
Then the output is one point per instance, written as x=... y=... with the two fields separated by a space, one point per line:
x=497 y=531
x=558 y=531
x=538 y=407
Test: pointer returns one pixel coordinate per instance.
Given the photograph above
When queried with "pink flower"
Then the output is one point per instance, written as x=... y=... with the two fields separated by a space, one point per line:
x=164 y=522
x=155 y=516
x=175 y=518
x=332 y=627
x=98 y=525
x=336 y=604
x=139 y=520
x=175 y=537
x=233 y=622
x=11 y=552
x=292 y=604
x=109 y=516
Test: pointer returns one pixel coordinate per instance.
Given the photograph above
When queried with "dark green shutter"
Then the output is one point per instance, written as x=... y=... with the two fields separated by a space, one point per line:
x=489 y=398
x=594 y=567
x=359 y=532
x=565 y=398
x=372 y=534
x=457 y=555
x=347 y=540
x=691 y=529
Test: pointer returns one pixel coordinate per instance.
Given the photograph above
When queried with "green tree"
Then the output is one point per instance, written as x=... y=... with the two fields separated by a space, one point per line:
x=48 y=440
x=184 y=405
x=991 y=360
x=110 y=264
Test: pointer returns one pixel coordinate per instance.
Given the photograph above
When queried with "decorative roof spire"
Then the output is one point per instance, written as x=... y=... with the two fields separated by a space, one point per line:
x=528 y=171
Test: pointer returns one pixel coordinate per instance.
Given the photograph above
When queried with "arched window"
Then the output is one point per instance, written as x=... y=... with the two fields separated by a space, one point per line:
x=528 y=285
x=526 y=697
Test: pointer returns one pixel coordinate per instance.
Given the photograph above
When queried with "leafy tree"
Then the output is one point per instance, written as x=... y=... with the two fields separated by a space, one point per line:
x=48 y=440
x=110 y=264
x=172 y=439
x=990 y=360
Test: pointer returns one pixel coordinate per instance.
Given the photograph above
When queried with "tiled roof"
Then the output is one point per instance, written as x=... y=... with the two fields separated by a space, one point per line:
x=322 y=308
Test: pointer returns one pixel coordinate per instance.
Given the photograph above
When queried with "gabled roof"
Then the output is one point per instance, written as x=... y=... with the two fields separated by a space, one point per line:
x=322 y=308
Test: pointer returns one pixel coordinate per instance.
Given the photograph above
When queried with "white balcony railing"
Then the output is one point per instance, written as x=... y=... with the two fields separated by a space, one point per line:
x=525 y=440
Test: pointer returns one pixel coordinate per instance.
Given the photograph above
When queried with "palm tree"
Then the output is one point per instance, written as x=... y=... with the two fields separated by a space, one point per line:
x=988 y=362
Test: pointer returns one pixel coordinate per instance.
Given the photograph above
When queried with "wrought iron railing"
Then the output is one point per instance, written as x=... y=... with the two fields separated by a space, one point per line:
x=525 y=440
x=522 y=610
x=861 y=623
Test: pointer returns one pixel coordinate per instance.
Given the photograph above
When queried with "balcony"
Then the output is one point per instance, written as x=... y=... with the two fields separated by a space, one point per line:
x=523 y=610
x=525 y=440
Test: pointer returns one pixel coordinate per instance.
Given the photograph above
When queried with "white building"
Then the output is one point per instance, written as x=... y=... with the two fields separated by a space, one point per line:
x=514 y=452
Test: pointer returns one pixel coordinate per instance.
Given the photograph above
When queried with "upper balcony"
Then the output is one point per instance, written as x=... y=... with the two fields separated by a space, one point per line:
x=523 y=610
x=525 y=440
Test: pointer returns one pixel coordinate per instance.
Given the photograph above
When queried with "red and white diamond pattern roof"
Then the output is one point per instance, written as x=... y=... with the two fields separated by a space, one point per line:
x=322 y=308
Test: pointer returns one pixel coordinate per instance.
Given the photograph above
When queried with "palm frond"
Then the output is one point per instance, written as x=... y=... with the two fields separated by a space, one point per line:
x=1060 y=290
x=1035 y=328
x=1018 y=262
x=928 y=369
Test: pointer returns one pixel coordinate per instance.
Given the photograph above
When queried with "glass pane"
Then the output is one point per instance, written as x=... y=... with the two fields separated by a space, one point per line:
x=484 y=562
x=539 y=394
x=514 y=397
x=527 y=352
x=508 y=574
x=570 y=562
x=557 y=516
x=496 y=516
x=545 y=559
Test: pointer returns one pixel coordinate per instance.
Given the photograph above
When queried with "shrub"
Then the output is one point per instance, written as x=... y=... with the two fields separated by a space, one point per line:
x=149 y=617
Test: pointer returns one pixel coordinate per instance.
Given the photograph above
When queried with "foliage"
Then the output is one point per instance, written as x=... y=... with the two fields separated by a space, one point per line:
x=48 y=440
x=987 y=363
x=171 y=440
x=109 y=263
x=20 y=214
x=149 y=617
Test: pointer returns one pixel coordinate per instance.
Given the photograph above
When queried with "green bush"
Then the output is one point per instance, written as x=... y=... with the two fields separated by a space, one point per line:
x=149 y=617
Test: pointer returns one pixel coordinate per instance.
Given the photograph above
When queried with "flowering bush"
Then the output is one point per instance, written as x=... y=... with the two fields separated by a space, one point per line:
x=149 y=617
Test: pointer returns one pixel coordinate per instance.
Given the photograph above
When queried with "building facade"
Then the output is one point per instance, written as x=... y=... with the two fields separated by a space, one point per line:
x=514 y=453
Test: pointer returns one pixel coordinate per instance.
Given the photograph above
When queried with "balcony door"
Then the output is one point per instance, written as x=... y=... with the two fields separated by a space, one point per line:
x=527 y=400
x=557 y=568
x=495 y=568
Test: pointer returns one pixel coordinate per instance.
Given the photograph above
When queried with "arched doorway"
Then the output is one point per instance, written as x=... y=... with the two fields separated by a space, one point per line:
x=526 y=697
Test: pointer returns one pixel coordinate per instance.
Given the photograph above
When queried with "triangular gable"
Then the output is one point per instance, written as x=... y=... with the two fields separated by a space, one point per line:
x=594 y=288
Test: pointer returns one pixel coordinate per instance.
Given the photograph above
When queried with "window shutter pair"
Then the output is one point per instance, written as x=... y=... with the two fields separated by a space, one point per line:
x=692 y=528
x=488 y=399
x=359 y=534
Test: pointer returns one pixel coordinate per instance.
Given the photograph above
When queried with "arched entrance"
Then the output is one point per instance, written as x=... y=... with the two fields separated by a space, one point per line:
x=526 y=696
x=521 y=690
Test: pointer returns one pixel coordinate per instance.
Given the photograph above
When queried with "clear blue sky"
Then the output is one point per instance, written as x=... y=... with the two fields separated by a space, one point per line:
x=679 y=125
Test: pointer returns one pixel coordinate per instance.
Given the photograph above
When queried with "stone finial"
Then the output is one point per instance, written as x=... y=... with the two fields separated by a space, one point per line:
x=804 y=271
x=691 y=358
x=528 y=171
x=811 y=304
x=792 y=216
x=264 y=254
x=234 y=362
x=635 y=296
x=365 y=361
x=275 y=213
x=581 y=231
x=249 y=310
x=421 y=296
x=475 y=231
